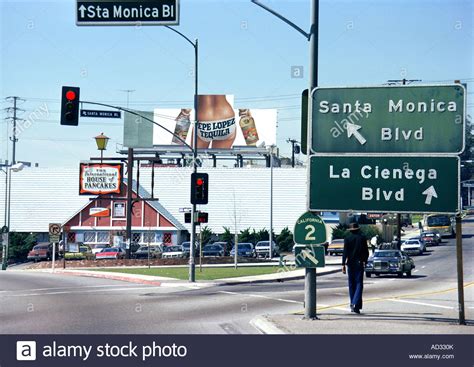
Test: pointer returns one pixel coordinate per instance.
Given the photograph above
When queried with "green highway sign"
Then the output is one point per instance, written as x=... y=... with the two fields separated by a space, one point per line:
x=423 y=184
x=309 y=256
x=388 y=119
x=309 y=230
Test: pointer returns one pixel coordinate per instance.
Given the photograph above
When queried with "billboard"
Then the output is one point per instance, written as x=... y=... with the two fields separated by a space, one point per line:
x=220 y=126
x=100 y=179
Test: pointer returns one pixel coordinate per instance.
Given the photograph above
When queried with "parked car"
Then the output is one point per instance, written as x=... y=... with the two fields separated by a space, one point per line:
x=186 y=245
x=336 y=247
x=430 y=238
x=155 y=252
x=213 y=249
x=244 y=249
x=40 y=252
x=262 y=249
x=389 y=262
x=173 y=252
x=84 y=253
x=111 y=253
x=98 y=248
x=413 y=246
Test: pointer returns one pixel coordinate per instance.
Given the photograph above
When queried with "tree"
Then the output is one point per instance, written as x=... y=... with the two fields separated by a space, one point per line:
x=285 y=240
x=246 y=236
x=228 y=238
x=206 y=234
x=467 y=156
x=20 y=245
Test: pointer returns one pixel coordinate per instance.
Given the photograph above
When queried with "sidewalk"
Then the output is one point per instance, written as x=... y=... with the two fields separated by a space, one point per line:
x=340 y=323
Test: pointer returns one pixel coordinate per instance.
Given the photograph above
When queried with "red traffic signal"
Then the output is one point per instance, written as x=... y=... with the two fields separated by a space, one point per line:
x=199 y=188
x=70 y=106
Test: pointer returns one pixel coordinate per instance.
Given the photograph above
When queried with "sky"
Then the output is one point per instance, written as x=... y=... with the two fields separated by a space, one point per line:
x=244 y=51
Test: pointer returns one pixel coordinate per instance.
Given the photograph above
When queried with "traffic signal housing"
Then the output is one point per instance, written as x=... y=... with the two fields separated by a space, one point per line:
x=199 y=188
x=70 y=106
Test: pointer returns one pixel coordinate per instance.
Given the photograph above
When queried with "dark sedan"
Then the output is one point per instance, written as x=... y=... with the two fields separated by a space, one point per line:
x=389 y=262
x=213 y=250
x=243 y=250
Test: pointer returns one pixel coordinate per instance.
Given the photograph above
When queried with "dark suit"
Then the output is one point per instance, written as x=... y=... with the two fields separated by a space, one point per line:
x=355 y=255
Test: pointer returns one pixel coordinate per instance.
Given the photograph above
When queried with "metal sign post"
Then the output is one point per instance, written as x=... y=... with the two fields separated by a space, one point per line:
x=309 y=232
x=462 y=318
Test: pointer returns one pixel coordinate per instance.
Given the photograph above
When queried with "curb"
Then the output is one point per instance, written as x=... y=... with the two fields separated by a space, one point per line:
x=277 y=280
x=264 y=326
x=113 y=277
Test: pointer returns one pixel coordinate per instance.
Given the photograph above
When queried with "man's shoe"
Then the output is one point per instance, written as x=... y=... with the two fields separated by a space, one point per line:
x=356 y=310
x=352 y=308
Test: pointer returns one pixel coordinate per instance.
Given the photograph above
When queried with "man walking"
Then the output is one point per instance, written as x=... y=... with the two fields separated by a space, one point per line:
x=355 y=256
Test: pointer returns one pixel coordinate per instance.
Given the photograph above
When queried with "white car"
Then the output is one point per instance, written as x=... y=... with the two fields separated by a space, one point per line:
x=173 y=252
x=413 y=246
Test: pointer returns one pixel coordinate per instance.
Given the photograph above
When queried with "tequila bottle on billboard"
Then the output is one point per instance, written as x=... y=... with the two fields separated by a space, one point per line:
x=183 y=122
x=247 y=124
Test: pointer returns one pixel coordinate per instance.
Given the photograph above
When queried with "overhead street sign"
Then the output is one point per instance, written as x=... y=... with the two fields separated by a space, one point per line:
x=138 y=12
x=422 y=184
x=309 y=256
x=102 y=114
x=309 y=230
x=389 y=119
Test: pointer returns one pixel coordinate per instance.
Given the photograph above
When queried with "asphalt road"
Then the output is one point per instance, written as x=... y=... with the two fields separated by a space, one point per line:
x=33 y=302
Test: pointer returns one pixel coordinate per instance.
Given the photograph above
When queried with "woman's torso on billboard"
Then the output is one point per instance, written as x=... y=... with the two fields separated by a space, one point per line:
x=212 y=110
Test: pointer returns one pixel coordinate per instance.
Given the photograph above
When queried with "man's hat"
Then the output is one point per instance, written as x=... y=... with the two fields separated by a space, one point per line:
x=353 y=227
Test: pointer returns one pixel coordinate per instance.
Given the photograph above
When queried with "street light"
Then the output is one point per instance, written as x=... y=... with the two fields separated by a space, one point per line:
x=101 y=141
x=8 y=171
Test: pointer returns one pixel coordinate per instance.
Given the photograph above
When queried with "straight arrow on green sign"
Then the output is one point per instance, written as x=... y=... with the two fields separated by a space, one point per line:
x=384 y=184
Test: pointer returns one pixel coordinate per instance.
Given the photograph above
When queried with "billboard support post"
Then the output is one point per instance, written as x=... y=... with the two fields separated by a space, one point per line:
x=128 y=232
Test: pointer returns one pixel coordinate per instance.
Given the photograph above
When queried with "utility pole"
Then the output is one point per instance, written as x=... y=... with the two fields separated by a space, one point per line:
x=128 y=91
x=293 y=146
x=14 y=119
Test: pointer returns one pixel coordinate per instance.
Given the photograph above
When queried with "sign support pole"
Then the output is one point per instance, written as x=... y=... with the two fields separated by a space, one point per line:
x=462 y=319
x=310 y=294
x=310 y=276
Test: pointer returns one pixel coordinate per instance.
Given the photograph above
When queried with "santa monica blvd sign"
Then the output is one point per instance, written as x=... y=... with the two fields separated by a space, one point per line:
x=389 y=119
x=422 y=184
x=144 y=12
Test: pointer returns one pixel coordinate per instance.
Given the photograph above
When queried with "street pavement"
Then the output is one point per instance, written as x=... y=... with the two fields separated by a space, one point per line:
x=38 y=302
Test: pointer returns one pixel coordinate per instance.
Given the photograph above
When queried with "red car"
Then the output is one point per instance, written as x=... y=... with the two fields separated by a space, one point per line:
x=111 y=253
x=41 y=252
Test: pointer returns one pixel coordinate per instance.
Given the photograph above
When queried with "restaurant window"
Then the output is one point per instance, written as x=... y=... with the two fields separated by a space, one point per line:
x=89 y=237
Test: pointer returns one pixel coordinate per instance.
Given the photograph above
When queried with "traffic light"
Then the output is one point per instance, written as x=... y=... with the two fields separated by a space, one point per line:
x=199 y=188
x=202 y=217
x=70 y=106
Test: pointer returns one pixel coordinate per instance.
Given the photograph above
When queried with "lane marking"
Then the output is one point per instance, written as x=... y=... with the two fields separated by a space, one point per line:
x=78 y=292
x=59 y=288
x=261 y=296
x=421 y=303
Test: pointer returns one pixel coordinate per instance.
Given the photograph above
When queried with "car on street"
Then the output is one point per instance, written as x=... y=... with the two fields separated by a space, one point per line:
x=213 y=250
x=389 y=262
x=111 y=253
x=173 y=252
x=336 y=247
x=262 y=249
x=413 y=246
x=98 y=248
x=430 y=238
x=154 y=251
x=244 y=249
x=41 y=252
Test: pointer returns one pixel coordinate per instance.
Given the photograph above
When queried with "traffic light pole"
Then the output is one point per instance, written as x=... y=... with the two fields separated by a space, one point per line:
x=192 y=265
